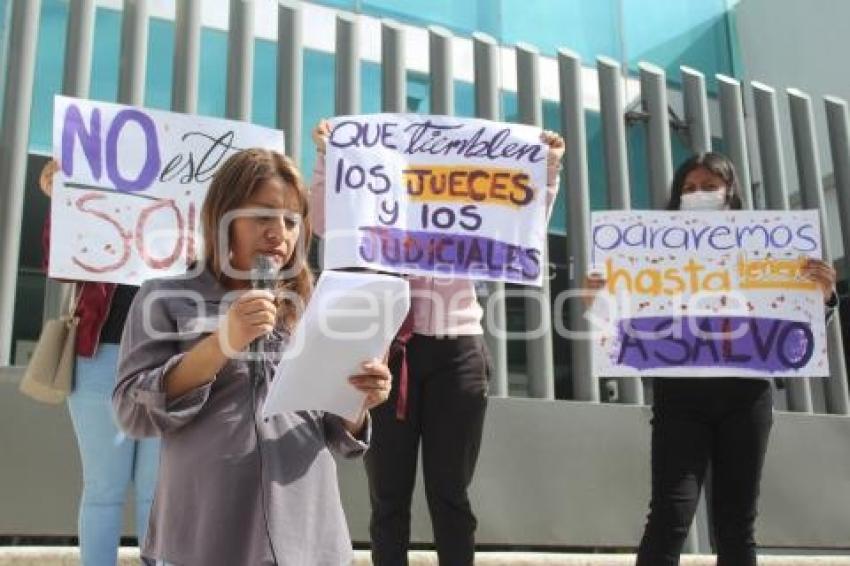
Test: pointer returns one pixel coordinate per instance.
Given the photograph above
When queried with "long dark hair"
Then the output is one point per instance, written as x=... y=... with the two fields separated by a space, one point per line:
x=716 y=163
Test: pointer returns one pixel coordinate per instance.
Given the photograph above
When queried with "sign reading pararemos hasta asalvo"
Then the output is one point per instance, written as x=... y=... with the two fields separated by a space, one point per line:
x=436 y=195
x=707 y=294
x=126 y=203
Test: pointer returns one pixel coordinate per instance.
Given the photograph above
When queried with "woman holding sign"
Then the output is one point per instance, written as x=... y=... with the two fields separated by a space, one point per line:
x=110 y=461
x=440 y=367
x=234 y=487
x=724 y=421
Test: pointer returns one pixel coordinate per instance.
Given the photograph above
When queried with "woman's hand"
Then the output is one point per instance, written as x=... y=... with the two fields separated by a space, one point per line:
x=250 y=316
x=822 y=273
x=375 y=382
x=45 y=179
x=555 y=154
x=593 y=283
x=320 y=135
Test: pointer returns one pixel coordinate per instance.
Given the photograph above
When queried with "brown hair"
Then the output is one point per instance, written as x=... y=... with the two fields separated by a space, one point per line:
x=232 y=185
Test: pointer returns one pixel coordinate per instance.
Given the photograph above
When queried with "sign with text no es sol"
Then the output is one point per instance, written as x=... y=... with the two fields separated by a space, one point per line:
x=127 y=200
x=707 y=294
x=436 y=195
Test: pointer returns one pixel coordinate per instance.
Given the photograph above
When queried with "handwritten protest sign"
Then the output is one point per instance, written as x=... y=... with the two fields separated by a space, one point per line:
x=127 y=200
x=436 y=195
x=707 y=294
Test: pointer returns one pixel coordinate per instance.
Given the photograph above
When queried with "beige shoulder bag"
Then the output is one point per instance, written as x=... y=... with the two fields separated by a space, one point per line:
x=50 y=373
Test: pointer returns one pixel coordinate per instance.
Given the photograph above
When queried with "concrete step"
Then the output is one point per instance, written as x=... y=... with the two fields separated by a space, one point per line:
x=70 y=556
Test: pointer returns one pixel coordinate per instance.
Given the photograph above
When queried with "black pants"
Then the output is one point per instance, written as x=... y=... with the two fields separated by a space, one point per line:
x=447 y=398
x=726 y=422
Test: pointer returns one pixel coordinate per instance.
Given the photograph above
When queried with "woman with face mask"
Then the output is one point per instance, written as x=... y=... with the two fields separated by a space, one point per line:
x=724 y=421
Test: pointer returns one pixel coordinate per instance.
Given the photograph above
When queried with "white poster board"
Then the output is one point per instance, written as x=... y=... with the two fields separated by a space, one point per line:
x=126 y=203
x=436 y=195
x=707 y=294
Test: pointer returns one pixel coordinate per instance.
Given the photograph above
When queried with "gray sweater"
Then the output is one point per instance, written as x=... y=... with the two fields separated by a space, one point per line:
x=233 y=489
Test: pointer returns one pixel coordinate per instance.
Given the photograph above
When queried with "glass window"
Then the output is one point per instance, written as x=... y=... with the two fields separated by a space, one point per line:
x=160 y=64
x=671 y=33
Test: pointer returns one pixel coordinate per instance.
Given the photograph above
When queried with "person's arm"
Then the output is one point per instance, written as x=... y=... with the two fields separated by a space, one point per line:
x=341 y=440
x=161 y=388
x=45 y=183
x=824 y=276
x=252 y=315
x=553 y=167
x=149 y=350
x=317 y=183
x=197 y=368
x=351 y=438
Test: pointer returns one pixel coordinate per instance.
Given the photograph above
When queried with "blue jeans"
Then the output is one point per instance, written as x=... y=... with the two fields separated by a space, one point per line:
x=111 y=461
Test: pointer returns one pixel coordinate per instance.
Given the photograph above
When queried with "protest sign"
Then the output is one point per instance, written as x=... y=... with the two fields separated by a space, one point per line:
x=127 y=199
x=436 y=195
x=707 y=294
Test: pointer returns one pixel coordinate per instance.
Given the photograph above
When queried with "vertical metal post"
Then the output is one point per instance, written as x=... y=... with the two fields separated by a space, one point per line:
x=578 y=215
x=486 y=76
x=486 y=71
x=653 y=86
x=290 y=73
x=770 y=147
x=347 y=65
x=393 y=72
x=734 y=128
x=811 y=191
x=76 y=78
x=187 y=57
x=441 y=70
x=76 y=75
x=838 y=125
x=799 y=391
x=240 y=60
x=134 y=53
x=696 y=110
x=612 y=108
x=14 y=138
x=653 y=92
x=538 y=313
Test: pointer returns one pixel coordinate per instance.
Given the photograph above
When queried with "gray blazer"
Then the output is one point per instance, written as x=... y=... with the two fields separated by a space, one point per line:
x=233 y=488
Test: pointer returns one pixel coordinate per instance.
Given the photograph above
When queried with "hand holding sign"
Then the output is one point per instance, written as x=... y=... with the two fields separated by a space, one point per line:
x=822 y=274
x=556 y=152
x=320 y=135
x=45 y=179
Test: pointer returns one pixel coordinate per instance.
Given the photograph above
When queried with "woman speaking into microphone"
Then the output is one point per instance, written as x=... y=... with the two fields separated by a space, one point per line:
x=234 y=487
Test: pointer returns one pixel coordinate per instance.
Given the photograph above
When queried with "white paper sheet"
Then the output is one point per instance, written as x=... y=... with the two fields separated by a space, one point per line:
x=351 y=318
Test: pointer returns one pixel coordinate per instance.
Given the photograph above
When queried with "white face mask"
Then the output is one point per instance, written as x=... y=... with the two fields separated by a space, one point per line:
x=704 y=200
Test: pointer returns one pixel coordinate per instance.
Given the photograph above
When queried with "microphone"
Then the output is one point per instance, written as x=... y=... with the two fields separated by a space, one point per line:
x=264 y=275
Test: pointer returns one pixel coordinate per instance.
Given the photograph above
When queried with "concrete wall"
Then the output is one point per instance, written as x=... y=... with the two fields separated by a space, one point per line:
x=551 y=473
